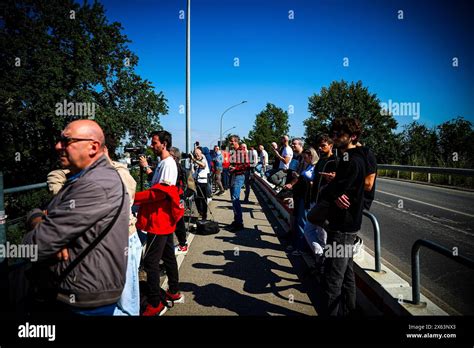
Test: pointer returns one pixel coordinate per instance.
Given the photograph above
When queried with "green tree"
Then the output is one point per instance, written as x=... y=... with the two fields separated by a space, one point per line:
x=270 y=124
x=56 y=50
x=456 y=143
x=353 y=100
x=420 y=145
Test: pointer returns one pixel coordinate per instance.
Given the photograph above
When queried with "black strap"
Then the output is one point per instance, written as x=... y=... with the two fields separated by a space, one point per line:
x=96 y=241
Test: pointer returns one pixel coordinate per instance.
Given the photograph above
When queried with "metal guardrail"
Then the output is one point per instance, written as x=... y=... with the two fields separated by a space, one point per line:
x=3 y=217
x=376 y=226
x=434 y=170
x=415 y=263
x=428 y=170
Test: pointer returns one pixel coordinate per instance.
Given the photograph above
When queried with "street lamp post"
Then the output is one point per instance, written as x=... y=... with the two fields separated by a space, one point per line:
x=233 y=106
x=188 y=76
x=225 y=132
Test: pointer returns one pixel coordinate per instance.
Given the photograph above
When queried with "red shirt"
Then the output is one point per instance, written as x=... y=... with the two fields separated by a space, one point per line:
x=226 y=159
x=159 y=209
x=240 y=160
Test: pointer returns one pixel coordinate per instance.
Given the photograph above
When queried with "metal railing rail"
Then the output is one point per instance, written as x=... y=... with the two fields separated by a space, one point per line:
x=3 y=217
x=415 y=263
x=376 y=227
x=434 y=170
x=428 y=170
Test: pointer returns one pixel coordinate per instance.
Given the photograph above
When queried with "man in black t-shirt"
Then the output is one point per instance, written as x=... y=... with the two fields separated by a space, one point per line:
x=345 y=198
x=369 y=184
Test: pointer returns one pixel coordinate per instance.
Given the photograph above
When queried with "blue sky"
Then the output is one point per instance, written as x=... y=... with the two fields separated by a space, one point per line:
x=285 y=61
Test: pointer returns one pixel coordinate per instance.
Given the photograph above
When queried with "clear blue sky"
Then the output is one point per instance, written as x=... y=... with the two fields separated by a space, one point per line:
x=285 y=61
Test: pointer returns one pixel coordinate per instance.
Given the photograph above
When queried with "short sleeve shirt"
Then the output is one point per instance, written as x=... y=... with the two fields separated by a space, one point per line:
x=287 y=151
x=166 y=172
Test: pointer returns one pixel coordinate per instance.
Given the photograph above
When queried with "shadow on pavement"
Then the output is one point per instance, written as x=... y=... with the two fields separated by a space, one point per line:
x=256 y=271
x=214 y=295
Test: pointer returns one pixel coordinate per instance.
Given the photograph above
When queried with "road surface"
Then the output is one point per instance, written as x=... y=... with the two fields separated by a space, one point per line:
x=409 y=211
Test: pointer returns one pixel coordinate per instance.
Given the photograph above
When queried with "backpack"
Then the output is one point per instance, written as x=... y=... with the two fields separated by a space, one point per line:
x=207 y=227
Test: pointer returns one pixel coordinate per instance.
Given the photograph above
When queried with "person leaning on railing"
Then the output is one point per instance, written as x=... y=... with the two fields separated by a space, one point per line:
x=90 y=217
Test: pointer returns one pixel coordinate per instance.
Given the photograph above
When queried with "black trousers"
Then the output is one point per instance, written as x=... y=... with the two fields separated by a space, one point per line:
x=201 y=199
x=339 y=280
x=160 y=247
x=181 y=232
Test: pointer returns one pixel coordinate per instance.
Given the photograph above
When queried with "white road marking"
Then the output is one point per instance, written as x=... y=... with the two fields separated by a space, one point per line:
x=425 y=218
x=431 y=205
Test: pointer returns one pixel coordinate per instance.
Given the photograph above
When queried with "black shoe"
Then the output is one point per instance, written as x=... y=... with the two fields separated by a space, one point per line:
x=220 y=193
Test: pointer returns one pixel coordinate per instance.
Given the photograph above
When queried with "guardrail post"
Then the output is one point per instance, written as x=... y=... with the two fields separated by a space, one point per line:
x=415 y=272
x=429 y=177
x=4 y=280
x=3 y=235
x=376 y=227
x=411 y=176
x=449 y=179
x=398 y=174
x=415 y=263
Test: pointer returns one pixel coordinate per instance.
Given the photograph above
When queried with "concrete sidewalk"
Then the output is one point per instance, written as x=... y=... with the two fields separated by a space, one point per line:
x=240 y=273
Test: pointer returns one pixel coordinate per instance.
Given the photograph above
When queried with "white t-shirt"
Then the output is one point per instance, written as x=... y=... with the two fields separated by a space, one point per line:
x=253 y=158
x=200 y=174
x=264 y=157
x=287 y=151
x=166 y=172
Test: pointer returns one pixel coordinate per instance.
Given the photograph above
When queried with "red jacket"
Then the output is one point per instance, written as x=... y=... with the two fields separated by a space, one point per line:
x=159 y=209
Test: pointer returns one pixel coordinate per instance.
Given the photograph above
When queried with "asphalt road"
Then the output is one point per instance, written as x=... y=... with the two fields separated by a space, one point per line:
x=407 y=212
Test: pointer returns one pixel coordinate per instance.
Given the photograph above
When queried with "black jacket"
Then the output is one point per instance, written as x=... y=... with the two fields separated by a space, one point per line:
x=349 y=180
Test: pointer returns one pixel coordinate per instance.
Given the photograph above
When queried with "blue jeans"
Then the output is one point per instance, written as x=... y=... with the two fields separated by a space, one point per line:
x=225 y=178
x=247 y=185
x=129 y=302
x=235 y=186
x=300 y=213
x=98 y=311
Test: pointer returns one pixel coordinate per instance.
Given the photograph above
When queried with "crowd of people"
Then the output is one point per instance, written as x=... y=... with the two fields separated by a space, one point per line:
x=329 y=184
x=98 y=237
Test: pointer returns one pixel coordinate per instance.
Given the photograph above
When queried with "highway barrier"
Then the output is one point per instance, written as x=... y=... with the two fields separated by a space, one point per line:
x=415 y=263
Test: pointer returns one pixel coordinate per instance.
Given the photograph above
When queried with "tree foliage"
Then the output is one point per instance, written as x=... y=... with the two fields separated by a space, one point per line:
x=353 y=100
x=456 y=143
x=270 y=124
x=56 y=50
x=420 y=145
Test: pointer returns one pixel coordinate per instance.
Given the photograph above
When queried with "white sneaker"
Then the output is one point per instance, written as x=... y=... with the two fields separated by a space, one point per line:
x=179 y=250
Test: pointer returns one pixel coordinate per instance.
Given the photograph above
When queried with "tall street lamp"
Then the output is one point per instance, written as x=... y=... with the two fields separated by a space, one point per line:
x=188 y=76
x=233 y=106
x=225 y=132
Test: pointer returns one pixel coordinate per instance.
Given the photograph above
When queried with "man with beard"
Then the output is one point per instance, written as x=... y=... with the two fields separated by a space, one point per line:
x=347 y=188
x=159 y=212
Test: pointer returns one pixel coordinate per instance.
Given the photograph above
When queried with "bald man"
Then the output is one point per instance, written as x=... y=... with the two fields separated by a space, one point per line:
x=89 y=217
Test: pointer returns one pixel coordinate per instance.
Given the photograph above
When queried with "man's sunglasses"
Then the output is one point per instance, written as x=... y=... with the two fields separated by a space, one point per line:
x=66 y=141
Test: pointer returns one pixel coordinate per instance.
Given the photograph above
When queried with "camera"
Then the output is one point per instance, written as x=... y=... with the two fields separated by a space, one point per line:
x=135 y=153
x=186 y=155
